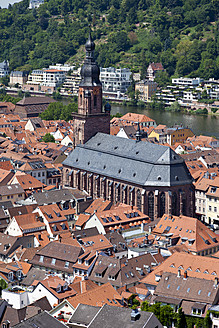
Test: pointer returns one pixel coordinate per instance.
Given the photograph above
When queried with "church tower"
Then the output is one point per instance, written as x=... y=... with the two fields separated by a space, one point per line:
x=90 y=118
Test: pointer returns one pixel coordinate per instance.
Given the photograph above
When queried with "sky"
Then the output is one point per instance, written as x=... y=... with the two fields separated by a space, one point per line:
x=5 y=3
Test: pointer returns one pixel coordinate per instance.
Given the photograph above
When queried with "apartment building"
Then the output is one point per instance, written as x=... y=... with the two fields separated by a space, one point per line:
x=146 y=89
x=4 y=68
x=116 y=80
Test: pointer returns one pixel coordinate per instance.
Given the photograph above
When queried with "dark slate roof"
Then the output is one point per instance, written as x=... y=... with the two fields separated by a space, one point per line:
x=84 y=314
x=42 y=320
x=53 y=196
x=140 y=163
x=34 y=274
x=117 y=317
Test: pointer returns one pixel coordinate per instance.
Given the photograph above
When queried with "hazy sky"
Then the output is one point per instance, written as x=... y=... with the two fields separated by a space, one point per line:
x=5 y=3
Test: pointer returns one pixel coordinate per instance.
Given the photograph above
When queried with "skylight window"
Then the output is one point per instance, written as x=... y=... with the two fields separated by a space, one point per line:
x=188 y=290
x=209 y=294
x=168 y=286
x=176 y=227
x=160 y=226
x=199 y=292
x=178 y=288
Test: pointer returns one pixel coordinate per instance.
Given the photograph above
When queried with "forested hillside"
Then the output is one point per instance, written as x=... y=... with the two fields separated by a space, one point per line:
x=182 y=34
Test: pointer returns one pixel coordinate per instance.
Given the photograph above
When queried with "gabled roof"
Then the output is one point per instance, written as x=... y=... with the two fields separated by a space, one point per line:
x=35 y=101
x=191 y=232
x=104 y=294
x=202 y=267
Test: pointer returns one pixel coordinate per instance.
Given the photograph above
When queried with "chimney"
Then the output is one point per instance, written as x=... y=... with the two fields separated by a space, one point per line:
x=179 y=273
x=6 y=324
x=185 y=275
x=135 y=315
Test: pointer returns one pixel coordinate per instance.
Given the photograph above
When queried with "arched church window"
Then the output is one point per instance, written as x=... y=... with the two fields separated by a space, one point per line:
x=162 y=204
x=151 y=205
x=139 y=200
x=95 y=100
x=174 y=203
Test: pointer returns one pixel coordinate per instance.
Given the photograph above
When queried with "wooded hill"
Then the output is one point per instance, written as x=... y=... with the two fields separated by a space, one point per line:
x=182 y=34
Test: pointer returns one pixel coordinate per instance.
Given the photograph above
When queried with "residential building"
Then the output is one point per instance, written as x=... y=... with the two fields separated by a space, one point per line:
x=135 y=119
x=58 y=258
x=37 y=169
x=71 y=83
x=18 y=77
x=65 y=68
x=13 y=193
x=115 y=169
x=45 y=320
x=204 y=268
x=115 y=79
x=186 y=81
x=116 y=317
x=194 y=295
x=53 y=78
x=146 y=89
x=212 y=202
x=172 y=135
x=35 y=3
x=153 y=69
x=123 y=272
x=98 y=296
x=118 y=219
x=4 y=68
x=187 y=231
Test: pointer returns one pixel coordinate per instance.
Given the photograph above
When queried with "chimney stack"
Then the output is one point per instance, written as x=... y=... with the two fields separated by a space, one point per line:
x=179 y=273
x=185 y=275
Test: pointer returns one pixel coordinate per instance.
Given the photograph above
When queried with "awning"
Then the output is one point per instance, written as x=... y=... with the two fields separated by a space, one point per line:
x=110 y=184
x=90 y=175
x=125 y=186
x=132 y=189
x=84 y=173
x=97 y=177
x=104 y=179
x=118 y=184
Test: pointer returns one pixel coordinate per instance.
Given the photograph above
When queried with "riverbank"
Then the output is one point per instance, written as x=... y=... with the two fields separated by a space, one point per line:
x=200 y=124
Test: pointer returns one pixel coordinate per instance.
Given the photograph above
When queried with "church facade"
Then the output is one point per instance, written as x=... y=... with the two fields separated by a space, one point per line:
x=150 y=176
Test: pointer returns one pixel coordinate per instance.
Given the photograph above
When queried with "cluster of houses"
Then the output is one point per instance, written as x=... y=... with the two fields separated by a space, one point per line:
x=109 y=217
x=65 y=249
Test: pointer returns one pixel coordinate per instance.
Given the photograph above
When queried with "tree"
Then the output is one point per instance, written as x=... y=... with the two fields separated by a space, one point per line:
x=207 y=320
x=3 y=285
x=181 y=320
x=48 y=138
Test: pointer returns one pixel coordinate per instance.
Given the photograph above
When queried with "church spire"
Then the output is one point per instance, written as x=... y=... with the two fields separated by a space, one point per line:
x=90 y=71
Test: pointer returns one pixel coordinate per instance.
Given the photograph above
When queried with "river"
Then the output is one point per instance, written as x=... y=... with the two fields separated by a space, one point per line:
x=199 y=124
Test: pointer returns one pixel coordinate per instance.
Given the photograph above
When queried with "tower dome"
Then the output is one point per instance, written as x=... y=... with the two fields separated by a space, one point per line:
x=90 y=71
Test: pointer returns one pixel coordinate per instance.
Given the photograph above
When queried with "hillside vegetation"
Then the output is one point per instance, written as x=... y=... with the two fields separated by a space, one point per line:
x=182 y=34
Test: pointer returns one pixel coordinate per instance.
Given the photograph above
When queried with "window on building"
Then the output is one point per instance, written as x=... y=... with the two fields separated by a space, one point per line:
x=41 y=258
x=53 y=262
x=162 y=204
x=174 y=204
x=151 y=205
x=139 y=200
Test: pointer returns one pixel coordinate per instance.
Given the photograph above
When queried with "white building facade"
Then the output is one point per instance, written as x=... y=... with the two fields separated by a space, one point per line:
x=115 y=80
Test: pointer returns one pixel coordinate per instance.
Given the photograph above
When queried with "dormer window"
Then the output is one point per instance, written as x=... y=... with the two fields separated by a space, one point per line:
x=65 y=287
x=79 y=261
x=41 y=258
x=66 y=264
x=58 y=289
x=53 y=262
